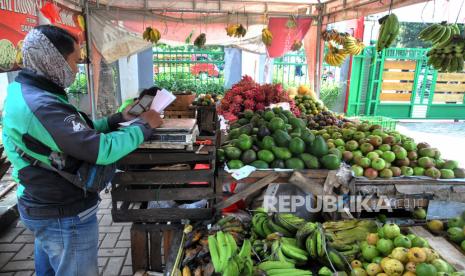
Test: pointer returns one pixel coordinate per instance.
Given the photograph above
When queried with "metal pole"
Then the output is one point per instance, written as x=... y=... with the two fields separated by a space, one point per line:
x=89 y=67
x=317 y=79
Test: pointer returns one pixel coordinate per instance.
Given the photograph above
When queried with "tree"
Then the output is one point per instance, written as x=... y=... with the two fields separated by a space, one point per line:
x=408 y=35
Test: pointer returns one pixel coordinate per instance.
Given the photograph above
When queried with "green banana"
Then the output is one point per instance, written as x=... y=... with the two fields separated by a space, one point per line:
x=310 y=244
x=290 y=223
x=223 y=250
x=248 y=267
x=232 y=269
x=453 y=65
x=288 y=271
x=266 y=228
x=268 y=265
x=445 y=63
x=434 y=33
x=427 y=30
x=395 y=29
x=257 y=226
x=303 y=232
x=337 y=260
x=439 y=35
x=246 y=249
x=460 y=64
x=277 y=228
x=213 y=247
x=225 y=220
x=283 y=258
x=231 y=243
x=290 y=241
x=294 y=252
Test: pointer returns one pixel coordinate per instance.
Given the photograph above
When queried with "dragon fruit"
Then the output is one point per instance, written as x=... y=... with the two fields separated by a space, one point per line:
x=260 y=106
x=249 y=104
x=237 y=99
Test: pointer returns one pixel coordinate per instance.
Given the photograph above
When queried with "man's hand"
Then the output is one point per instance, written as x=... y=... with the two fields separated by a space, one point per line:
x=152 y=118
x=126 y=115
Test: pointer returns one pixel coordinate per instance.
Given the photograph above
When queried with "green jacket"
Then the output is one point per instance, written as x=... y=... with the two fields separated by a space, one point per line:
x=38 y=119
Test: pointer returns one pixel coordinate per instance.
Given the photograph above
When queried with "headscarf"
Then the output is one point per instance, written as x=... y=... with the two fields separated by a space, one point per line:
x=43 y=58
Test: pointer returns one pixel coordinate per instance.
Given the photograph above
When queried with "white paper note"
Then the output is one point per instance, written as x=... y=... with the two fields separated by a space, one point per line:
x=162 y=100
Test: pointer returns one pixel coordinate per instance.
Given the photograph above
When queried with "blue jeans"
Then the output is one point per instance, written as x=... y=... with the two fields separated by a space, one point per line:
x=65 y=246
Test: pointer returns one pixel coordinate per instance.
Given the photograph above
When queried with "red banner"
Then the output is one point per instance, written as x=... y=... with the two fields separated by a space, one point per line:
x=18 y=17
x=285 y=32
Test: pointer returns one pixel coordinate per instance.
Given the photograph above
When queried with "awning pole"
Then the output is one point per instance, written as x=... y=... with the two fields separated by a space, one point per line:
x=89 y=67
x=317 y=80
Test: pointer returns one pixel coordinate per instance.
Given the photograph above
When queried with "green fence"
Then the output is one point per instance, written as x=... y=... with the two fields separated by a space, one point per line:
x=291 y=69
x=187 y=68
x=398 y=83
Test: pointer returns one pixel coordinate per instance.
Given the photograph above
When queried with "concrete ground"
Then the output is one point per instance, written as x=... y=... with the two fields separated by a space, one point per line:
x=17 y=246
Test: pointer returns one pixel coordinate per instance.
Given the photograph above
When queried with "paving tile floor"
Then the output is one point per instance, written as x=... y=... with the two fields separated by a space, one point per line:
x=114 y=255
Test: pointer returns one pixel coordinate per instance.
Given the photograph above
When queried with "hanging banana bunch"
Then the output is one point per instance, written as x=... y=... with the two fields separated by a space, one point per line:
x=231 y=30
x=241 y=31
x=448 y=58
x=335 y=56
x=296 y=45
x=151 y=35
x=200 y=40
x=267 y=37
x=353 y=46
x=388 y=32
x=440 y=34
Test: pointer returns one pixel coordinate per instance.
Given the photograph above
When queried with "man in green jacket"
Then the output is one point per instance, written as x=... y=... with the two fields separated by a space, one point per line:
x=41 y=130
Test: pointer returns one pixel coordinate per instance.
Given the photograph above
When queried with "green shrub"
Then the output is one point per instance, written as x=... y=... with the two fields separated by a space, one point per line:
x=329 y=92
x=79 y=85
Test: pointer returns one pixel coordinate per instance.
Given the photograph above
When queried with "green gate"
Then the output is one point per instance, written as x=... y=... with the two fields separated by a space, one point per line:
x=398 y=83
x=291 y=69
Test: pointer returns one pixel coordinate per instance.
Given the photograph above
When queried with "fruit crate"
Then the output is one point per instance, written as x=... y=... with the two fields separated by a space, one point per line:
x=155 y=247
x=386 y=122
x=157 y=175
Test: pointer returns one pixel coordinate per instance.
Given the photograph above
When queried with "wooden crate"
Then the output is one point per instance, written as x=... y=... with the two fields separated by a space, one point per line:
x=140 y=183
x=207 y=119
x=154 y=247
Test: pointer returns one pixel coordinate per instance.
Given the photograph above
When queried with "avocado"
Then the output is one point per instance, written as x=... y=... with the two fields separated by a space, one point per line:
x=297 y=146
x=281 y=153
x=295 y=164
x=265 y=155
x=307 y=136
x=234 y=133
x=296 y=132
x=331 y=161
x=248 y=114
x=319 y=147
x=246 y=129
x=310 y=161
x=244 y=142
x=243 y=121
x=285 y=119
x=268 y=115
x=235 y=164
x=278 y=163
x=281 y=138
x=276 y=123
x=232 y=153
x=259 y=164
x=248 y=156
x=263 y=131
x=268 y=143
x=336 y=152
x=297 y=123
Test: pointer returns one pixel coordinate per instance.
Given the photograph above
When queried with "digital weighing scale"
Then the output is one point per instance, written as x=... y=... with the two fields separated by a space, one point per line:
x=174 y=134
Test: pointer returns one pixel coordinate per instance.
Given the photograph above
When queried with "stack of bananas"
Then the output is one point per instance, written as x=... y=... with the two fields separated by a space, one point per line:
x=353 y=46
x=448 y=58
x=236 y=30
x=439 y=34
x=200 y=40
x=226 y=257
x=388 y=32
x=335 y=56
x=151 y=35
x=286 y=224
x=344 y=236
x=296 y=45
x=267 y=37
x=278 y=268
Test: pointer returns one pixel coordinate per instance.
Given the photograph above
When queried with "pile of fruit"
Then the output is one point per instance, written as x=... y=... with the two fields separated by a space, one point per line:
x=276 y=138
x=388 y=32
x=285 y=244
x=309 y=105
x=201 y=242
x=206 y=99
x=249 y=95
x=392 y=253
x=455 y=229
x=373 y=153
